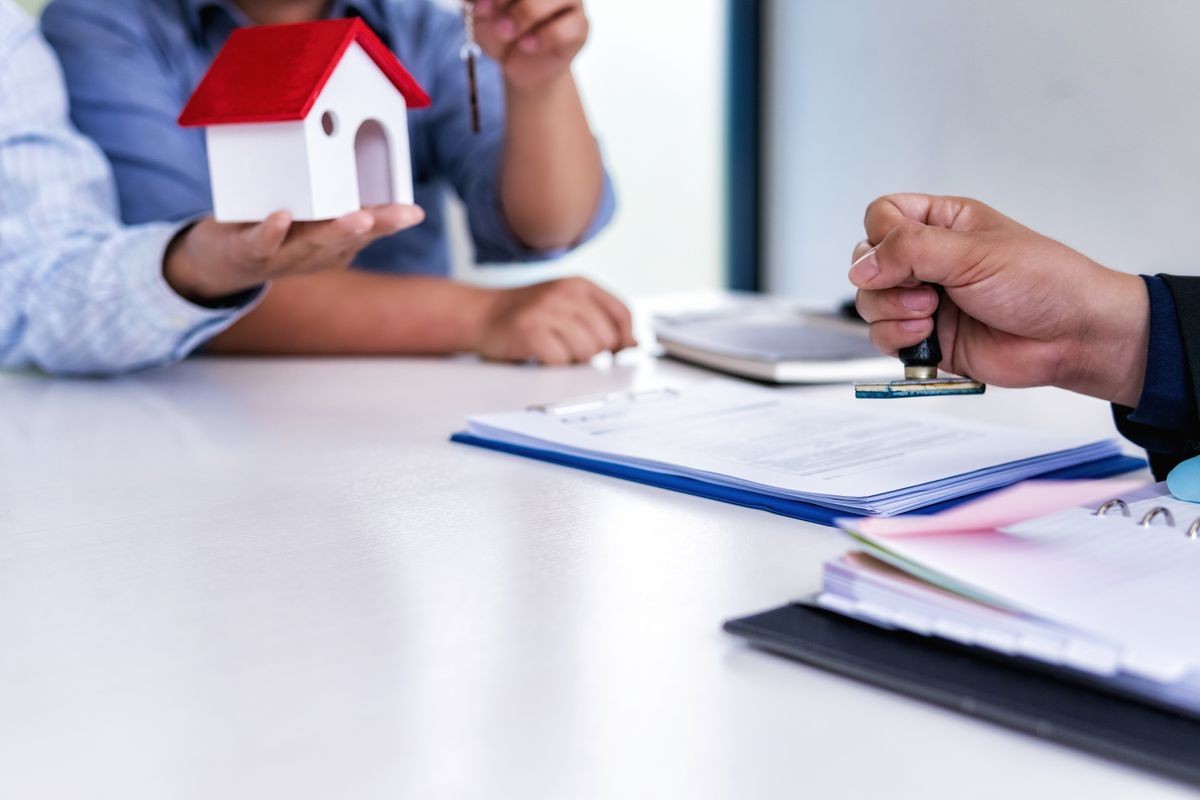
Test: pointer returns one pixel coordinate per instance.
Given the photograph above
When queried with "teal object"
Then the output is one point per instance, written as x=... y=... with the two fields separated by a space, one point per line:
x=1184 y=481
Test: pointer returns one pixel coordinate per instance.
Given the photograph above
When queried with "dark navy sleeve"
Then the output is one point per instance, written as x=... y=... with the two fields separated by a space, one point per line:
x=1164 y=421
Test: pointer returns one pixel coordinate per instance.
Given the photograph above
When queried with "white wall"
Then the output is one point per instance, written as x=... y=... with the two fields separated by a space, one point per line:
x=653 y=80
x=1077 y=117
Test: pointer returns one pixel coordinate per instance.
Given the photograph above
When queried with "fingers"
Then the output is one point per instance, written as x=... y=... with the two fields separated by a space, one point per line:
x=314 y=246
x=508 y=25
x=263 y=241
x=953 y=213
x=603 y=332
x=860 y=250
x=582 y=343
x=887 y=213
x=604 y=315
x=565 y=32
x=559 y=322
x=552 y=349
x=553 y=340
x=306 y=240
x=897 y=304
x=618 y=314
x=394 y=218
x=892 y=336
x=901 y=316
x=357 y=223
x=914 y=253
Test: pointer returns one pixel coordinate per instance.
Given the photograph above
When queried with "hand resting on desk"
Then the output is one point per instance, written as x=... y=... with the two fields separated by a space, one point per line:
x=556 y=323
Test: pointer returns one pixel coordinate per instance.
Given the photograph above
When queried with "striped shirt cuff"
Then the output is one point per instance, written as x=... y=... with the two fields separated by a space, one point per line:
x=165 y=311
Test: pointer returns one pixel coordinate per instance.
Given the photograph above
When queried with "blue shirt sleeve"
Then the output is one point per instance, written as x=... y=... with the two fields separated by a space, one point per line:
x=124 y=96
x=79 y=293
x=1165 y=417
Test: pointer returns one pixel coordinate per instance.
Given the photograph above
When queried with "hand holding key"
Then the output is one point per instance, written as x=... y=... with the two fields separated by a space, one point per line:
x=534 y=41
x=1019 y=309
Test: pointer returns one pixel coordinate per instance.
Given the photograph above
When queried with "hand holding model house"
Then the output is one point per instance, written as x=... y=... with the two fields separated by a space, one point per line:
x=304 y=123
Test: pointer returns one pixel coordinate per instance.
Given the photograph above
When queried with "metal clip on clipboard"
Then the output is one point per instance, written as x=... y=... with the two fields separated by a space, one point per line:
x=599 y=402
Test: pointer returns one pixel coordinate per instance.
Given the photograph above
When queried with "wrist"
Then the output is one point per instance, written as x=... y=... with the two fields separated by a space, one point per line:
x=480 y=308
x=180 y=272
x=1108 y=357
x=194 y=270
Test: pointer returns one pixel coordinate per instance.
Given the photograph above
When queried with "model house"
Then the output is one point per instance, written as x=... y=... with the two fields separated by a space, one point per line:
x=309 y=118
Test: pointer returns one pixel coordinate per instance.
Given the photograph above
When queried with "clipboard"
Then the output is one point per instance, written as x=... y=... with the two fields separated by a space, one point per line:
x=1018 y=693
x=795 y=509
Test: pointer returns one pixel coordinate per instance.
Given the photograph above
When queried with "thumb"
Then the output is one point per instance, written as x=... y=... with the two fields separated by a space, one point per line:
x=956 y=213
x=262 y=241
x=915 y=253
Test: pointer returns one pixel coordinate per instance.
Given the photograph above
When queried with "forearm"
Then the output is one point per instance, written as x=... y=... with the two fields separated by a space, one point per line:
x=360 y=313
x=96 y=303
x=552 y=176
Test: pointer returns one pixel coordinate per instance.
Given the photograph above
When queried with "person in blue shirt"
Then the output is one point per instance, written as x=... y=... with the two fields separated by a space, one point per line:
x=532 y=180
x=80 y=294
x=1021 y=309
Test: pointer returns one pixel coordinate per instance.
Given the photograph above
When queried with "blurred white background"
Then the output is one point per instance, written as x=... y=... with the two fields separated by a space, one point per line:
x=1077 y=117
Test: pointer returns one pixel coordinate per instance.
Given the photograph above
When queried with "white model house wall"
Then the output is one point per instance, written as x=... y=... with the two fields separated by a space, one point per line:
x=256 y=167
x=356 y=93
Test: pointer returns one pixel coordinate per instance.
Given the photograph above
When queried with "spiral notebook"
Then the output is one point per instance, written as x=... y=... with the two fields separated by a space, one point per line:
x=1072 y=621
x=1106 y=588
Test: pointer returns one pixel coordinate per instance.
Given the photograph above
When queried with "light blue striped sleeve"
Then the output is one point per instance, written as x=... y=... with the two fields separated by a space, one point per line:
x=79 y=293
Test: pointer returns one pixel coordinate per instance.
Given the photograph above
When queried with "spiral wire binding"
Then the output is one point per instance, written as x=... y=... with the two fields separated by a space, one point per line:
x=1193 y=530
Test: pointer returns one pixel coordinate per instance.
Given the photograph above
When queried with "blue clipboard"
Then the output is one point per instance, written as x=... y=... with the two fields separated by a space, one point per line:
x=809 y=512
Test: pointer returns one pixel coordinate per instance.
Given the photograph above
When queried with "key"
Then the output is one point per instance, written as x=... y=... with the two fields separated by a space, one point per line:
x=470 y=55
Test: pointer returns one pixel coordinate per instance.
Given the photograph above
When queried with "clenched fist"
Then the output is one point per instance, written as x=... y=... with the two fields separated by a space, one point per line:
x=562 y=322
x=1019 y=309
x=534 y=41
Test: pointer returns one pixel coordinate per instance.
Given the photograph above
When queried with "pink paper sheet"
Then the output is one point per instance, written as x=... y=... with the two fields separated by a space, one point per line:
x=1005 y=507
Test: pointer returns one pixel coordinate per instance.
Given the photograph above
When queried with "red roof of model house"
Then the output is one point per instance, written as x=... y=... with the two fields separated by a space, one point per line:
x=274 y=73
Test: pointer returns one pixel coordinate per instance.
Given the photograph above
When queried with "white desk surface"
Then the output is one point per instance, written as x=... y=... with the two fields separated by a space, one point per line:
x=261 y=579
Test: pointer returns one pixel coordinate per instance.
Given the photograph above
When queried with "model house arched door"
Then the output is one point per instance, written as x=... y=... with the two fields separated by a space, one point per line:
x=373 y=154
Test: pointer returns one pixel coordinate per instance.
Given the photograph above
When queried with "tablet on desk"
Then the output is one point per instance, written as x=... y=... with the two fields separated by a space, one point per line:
x=766 y=340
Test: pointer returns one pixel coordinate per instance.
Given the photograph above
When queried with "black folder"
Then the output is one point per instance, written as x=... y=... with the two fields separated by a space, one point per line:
x=1056 y=704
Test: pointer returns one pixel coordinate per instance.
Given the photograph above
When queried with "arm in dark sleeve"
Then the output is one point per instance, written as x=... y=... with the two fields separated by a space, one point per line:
x=1165 y=421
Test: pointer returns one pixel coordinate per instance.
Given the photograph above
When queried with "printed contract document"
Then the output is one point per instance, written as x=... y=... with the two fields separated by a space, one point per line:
x=864 y=459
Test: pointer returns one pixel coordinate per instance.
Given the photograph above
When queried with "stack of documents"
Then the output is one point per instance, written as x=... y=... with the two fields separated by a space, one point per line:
x=1102 y=596
x=860 y=458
